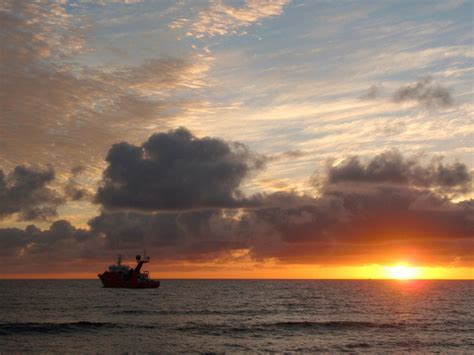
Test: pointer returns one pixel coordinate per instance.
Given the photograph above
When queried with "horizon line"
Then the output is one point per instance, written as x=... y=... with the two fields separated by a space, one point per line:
x=250 y=279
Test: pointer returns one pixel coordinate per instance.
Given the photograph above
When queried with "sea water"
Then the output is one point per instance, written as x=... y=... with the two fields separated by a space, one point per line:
x=76 y=316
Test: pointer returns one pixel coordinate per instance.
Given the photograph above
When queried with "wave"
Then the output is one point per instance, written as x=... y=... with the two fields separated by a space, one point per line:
x=18 y=328
x=219 y=329
x=135 y=312
x=204 y=312
x=336 y=325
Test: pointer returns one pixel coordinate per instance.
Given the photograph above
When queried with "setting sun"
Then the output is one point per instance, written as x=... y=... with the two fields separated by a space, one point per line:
x=403 y=272
x=244 y=176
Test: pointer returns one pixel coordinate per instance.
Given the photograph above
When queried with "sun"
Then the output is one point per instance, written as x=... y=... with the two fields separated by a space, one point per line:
x=402 y=272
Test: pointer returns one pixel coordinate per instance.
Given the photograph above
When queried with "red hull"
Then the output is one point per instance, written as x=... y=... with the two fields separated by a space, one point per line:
x=110 y=279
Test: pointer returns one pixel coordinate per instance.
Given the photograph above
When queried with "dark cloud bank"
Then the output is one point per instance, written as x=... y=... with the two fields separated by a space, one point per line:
x=178 y=196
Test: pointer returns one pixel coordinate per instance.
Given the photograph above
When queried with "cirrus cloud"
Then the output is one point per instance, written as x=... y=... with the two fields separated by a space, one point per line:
x=220 y=19
x=67 y=107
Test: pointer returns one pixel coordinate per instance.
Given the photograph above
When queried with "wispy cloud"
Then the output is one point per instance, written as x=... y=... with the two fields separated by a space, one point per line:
x=64 y=108
x=220 y=19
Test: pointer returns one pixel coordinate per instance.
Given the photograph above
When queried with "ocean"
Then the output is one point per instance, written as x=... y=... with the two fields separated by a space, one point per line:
x=215 y=316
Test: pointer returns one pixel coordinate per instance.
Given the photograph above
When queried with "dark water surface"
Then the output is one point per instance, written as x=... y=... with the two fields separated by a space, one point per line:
x=237 y=316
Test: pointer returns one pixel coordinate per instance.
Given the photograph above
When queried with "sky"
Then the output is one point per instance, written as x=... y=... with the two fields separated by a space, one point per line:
x=237 y=139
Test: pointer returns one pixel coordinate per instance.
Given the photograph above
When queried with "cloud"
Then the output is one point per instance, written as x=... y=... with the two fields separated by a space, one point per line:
x=383 y=210
x=287 y=155
x=221 y=19
x=60 y=248
x=73 y=189
x=376 y=225
x=190 y=235
x=176 y=170
x=70 y=112
x=372 y=93
x=392 y=167
x=33 y=32
x=426 y=93
x=169 y=237
x=187 y=208
x=25 y=191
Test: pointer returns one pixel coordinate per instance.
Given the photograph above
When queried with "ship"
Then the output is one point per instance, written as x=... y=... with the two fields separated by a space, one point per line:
x=123 y=276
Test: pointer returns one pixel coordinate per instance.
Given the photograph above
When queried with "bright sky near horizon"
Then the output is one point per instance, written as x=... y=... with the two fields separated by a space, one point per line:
x=254 y=135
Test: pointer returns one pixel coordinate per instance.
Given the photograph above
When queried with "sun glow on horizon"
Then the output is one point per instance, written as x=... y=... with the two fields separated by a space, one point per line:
x=242 y=270
x=403 y=272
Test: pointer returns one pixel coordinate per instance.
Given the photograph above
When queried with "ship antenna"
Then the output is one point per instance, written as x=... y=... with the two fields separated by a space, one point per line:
x=119 y=260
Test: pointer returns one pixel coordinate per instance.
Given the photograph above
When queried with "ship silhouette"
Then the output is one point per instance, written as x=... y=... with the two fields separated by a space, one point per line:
x=123 y=276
